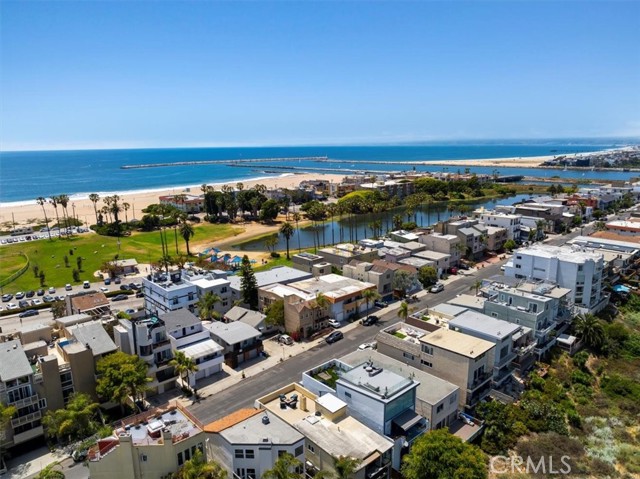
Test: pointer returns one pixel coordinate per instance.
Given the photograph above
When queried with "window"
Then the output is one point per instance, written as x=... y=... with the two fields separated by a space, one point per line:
x=495 y=315
x=251 y=473
x=347 y=394
x=42 y=403
x=180 y=459
x=190 y=296
x=311 y=448
x=453 y=398
x=426 y=363
x=533 y=307
x=249 y=454
x=239 y=454
x=427 y=349
x=281 y=453
x=223 y=290
x=439 y=408
x=187 y=455
x=143 y=457
x=408 y=356
x=299 y=451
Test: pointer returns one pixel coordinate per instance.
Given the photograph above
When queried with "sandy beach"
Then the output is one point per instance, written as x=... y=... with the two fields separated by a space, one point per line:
x=528 y=162
x=28 y=214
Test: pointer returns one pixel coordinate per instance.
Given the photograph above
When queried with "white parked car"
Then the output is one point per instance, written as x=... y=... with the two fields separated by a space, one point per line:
x=36 y=302
x=436 y=288
x=12 y=306
x=333 y=323
x=364 y=346
x=104 y=289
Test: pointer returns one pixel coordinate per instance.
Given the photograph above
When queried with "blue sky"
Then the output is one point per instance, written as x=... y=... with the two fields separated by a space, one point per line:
x=154 y=74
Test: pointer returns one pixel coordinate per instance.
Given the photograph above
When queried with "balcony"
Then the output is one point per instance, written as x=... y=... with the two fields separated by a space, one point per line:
x=19 y=421
x=480 y=380
x=543 y=333
x=509 y=358
x=28 y=401
x=28 y=435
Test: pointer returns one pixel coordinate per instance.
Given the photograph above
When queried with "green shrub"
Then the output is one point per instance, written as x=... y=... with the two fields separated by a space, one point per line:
x=619 y=386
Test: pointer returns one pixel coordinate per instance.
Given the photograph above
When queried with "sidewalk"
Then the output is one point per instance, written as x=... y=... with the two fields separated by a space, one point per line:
x=33 y=462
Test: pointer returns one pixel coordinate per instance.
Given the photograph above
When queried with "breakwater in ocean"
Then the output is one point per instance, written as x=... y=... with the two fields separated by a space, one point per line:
x=221 y=162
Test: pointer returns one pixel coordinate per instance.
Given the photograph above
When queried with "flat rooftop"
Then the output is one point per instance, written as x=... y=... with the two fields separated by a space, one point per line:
x=563 y=253
x=458 y=343
x=149 y=430
x=333 y=286
x=376 y=381
x=284 y=290
x=13 y=361
x=431 y=389
x=468 y=301
x=486 y=325
x=255 y=430
x=279 y=274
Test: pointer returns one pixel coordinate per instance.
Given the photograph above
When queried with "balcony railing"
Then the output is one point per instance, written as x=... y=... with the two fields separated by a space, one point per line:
x=26 y=401
x=483 y=378
x=19 y=421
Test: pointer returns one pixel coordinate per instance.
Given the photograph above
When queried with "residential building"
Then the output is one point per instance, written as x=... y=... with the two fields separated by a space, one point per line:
x=441 y=261
x=496 y=331
x=214 y=282
x=240 y=341
x=164 y=293
x=570 y=267
x=412 y=275
x=461 y=359
x=511 y=223
x=343 y=253
x=91 y=303
x=417 y=262
x=279 y=274
x=343 y=297
x=496 y=238
x=248 y=442
x=444 y=243
x=186 y=203
x=305 y=261
x=472 y=234
x=403 y=236
x=393 y=188
x=624 y=227
x=436 y=399
x=151 y=445
x=255 y=319
x=379 y=275
x=621 y=258
x=329 y=432
x=551 y=214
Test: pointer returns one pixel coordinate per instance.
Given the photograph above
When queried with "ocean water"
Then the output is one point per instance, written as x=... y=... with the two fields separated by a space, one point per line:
x=27 y=175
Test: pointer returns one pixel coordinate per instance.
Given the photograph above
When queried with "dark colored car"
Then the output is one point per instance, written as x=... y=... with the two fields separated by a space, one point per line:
x=23 y=303
x=116 y=281
x=28 y=312
x=120 y=297
x=40 y=292
x=463 y=266
x=139 y=294
x=124 y=287
x=370 y=320
x=333 y=337
x=31 y=294
x=134 y=286
x=49 y=299
x=380 y=304
x=107 y=281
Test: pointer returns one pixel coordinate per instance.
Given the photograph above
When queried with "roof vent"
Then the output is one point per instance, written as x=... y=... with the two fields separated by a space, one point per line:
x=265 y=419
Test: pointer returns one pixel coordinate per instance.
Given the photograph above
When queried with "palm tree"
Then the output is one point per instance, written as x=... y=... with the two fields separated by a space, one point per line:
x=187 y=232
x=589 y=328
x=94 y=197
x=125 y=207
x=284 y=468
x=41 y=200
x=207 y=303
x=183 y=365
x=296 y=217
x=476 y=285
x=198 y=468
x=345 y=466
x=403 y=311
x=54 y=202
x=287 y=231
x=370 y=295
x=63 y=200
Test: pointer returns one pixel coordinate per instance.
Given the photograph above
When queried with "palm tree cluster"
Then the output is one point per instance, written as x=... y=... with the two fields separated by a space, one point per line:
x=183 y=365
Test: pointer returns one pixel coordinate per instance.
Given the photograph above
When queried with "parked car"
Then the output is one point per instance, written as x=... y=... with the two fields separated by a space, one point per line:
x=52 y=290
x=31 y=294
x=134 y=286
x=436 y=288
x=79 y=455
x=453 y=270
x=380 y=304
x=68 y=287
x=48 y=298
x=120 y=297
x=124 y=287
x=333 y=323
x=7 y=297
x=370 y=320
x=86 y=285
x=23 y=303
x=333 y=337
x=364 y=346
x=139 y=294
x=19 y=295
x=107 y=281
x=117 y=281
x=12 y=306
x=104 y=289
x=464 y=266
x=40 y=292
x=285 y=339
x=28 y=312
x=36 y=302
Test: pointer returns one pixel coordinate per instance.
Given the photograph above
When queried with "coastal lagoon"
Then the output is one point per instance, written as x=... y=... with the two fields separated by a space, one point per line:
x=357 y=227
x=27 y=175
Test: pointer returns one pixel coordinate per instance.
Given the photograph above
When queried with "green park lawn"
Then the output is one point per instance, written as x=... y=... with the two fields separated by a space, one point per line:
x=94 y=250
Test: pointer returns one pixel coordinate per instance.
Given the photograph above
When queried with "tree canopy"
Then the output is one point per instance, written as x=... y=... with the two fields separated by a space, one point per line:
x=249 y=284
x=441 y=455
x=121 y=376
x=275 y=314
x=75 y=421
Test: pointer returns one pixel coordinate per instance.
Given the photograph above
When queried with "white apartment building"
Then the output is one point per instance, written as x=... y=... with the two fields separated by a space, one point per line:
x=500 y=220
x=164 y=293
x=571 y=267
x=444 y=243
